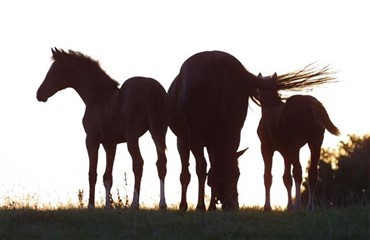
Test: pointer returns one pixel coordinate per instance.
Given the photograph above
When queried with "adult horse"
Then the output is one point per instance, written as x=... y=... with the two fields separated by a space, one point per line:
x=208 y=106
x=113 y=115
x=287 y=126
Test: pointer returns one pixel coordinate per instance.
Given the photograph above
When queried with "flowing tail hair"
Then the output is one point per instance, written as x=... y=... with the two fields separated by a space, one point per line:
x=305 y=79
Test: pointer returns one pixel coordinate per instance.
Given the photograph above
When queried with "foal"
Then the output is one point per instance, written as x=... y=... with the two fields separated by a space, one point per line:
x=286 y=127
x=113 y=115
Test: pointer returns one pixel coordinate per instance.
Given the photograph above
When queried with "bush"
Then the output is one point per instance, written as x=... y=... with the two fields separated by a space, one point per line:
x=344 y=174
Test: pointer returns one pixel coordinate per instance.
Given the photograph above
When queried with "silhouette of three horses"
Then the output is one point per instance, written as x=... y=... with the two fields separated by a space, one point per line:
x=205 y=107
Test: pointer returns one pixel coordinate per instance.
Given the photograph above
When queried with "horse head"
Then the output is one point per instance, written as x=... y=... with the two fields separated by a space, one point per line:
x=57 y=78
x=223 y=179
x=268 y=97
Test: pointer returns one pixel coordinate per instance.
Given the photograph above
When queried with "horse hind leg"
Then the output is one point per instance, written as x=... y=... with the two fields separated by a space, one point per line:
x=297 y=175
x=211 y=184
x=162 y=171
x=137 y=165
x=184 y=151
x=315 y=148
x=201 y=166
x=288 y=182
x=107 y=178
x=159 y=138
x=201 y=170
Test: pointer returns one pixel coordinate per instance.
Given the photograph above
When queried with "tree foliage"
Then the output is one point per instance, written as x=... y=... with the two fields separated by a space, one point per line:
x=344 y=174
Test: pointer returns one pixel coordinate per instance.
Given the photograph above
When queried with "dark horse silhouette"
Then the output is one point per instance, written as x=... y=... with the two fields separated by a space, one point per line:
x=286 y=127
x=113 y=115
x=208 y=106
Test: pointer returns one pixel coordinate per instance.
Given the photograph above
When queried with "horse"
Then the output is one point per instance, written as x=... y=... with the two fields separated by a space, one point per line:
x=287 y=126
x=113 y=115
x=208 y=105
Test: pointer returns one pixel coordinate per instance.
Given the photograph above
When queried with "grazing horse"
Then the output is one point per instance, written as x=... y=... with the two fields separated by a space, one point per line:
x=286 y=127
x=208 y=106
x=113 y=115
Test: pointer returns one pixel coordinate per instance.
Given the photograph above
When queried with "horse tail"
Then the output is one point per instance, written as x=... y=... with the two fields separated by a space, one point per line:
x=325 y=119
x=158 y=117
x=253 y=84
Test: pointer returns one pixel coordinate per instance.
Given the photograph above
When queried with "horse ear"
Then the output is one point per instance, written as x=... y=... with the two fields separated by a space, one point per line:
x=274 y=76
x=260 y=76
x=55 y=51
x=239 y=153
x=58 y=54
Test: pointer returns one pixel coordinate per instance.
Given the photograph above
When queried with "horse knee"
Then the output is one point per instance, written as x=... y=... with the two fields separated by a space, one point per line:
x=107 y=177
x=108 y=180
x=185 y=178
x=161 y=167
x=268 y=180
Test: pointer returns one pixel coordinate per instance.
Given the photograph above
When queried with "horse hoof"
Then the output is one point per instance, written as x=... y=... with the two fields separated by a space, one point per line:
x=212 y=208
x=290 y=208
x=267 y=208
x=108 y=207
x=162 y=206
x=134 y=207
x=310 y=208
x=201 y=208
x=183 y=207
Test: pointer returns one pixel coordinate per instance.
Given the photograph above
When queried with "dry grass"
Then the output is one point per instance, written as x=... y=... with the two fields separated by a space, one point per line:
x=348 y=223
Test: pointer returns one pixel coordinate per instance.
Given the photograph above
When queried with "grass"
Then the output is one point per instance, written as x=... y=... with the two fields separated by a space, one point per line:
x=346 y=223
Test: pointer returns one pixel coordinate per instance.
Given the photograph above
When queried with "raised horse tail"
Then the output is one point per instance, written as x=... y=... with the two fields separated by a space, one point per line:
x=253 y=84
x=325 y=119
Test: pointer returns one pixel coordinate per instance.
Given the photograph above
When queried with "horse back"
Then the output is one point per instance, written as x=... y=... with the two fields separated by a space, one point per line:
x=211 y=91
x=292 y=123
x=320 y=116
x=128 y=112
x=299 y=115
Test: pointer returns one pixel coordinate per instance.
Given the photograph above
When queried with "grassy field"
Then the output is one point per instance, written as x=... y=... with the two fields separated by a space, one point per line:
x=347 y=223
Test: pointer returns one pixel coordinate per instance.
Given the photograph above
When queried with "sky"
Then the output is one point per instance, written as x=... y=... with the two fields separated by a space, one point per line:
x=42 y=145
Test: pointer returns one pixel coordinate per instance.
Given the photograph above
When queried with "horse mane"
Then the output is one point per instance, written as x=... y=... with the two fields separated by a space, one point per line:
x=86 y=62
x=305 y=79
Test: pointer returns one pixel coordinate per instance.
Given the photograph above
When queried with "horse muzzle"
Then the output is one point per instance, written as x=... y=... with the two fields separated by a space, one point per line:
x=41 y=98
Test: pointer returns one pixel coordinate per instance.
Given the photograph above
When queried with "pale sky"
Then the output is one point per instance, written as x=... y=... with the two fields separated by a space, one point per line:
x=42 y=147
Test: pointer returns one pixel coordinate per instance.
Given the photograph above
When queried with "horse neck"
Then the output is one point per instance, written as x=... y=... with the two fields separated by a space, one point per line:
x=90 y=87
x=270 y=103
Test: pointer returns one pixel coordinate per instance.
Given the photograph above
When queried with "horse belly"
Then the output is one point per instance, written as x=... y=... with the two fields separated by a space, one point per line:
x=113 y=135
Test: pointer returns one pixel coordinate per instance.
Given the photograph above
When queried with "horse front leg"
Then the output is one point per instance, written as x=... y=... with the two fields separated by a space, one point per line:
x=201 y=170
x=297 y=174
x=267 y=155
x=92 y=150
x=137 y=166
x=288 y=182
x=110 y=150
x=184 y=151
